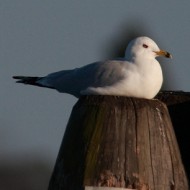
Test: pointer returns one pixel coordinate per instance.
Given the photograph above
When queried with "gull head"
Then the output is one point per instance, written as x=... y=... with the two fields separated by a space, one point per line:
x=144 y=47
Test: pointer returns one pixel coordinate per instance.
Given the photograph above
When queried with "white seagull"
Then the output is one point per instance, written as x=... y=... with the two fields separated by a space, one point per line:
x=138 y=74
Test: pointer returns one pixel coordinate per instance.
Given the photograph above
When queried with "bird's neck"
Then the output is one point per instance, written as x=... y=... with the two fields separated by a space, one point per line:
x=142 y=59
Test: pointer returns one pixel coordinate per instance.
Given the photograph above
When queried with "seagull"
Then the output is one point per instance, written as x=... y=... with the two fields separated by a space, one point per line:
x=138 y=74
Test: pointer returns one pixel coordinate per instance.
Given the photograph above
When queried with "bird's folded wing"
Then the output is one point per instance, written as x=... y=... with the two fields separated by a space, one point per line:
x=97 y=74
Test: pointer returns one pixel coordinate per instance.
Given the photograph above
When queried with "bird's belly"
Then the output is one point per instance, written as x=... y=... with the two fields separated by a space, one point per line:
x=143 y=86
x=137 y=89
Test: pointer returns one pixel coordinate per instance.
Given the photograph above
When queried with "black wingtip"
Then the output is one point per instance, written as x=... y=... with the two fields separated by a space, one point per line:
x=30 y=81
x=18 y=77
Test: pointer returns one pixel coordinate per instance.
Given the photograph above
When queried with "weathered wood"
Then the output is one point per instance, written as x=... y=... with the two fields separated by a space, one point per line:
x=178 y=104
x=173 y=97
x=105 y=188
x=119 y=142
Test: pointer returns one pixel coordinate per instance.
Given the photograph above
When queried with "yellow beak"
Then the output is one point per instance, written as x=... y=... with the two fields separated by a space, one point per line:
x=163 y=53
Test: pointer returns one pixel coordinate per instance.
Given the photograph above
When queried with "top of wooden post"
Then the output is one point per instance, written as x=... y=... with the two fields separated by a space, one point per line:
x=173 y=97
x=121 y=142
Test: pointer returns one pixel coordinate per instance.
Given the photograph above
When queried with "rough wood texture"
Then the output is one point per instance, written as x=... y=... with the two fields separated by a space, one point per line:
x=173 y=97
x=178 y=104
x=119 y=142
x=105 y=188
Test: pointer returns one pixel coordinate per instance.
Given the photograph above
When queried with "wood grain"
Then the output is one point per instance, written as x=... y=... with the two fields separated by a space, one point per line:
x=119 y=142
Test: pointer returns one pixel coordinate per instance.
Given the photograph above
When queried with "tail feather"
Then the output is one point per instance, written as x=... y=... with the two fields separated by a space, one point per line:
x=30 y=80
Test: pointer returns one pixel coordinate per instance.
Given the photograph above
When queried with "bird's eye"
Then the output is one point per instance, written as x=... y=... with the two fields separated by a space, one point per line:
x=145 y=46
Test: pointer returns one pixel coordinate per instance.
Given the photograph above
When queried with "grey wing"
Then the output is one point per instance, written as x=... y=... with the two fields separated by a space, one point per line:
x=97 y=74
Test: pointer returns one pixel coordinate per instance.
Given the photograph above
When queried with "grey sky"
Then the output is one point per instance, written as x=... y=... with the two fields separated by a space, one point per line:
x=40 y=37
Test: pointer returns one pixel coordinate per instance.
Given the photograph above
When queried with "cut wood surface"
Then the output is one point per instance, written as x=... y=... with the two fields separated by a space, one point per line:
x=173 y=97
x=119 y=142
x=105 y=188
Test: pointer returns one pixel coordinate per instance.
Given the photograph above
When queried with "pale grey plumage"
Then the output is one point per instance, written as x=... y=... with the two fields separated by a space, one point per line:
x=138 y=75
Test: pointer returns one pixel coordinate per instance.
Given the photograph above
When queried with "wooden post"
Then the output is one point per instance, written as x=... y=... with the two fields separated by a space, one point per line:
x=178 y=104
x=121 y=142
